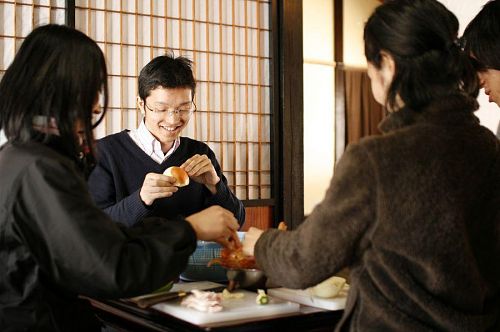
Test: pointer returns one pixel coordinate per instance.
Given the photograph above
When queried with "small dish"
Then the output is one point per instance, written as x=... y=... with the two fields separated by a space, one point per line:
x=246 y=278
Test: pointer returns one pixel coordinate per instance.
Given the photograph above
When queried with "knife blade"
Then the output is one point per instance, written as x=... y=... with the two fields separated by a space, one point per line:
x=145 y=301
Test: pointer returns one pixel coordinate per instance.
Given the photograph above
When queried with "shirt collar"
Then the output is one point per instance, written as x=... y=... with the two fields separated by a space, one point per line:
x=147 y=139
x=151 y=145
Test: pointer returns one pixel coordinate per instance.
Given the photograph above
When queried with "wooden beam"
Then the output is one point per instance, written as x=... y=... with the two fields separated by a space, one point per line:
x=288 y=105
x=340 y=108
x=70 y=13
x=338 y=30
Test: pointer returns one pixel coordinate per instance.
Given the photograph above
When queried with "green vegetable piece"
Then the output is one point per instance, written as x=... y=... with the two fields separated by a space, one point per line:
x=261 y=297
x=264 y=300
x=165 y=288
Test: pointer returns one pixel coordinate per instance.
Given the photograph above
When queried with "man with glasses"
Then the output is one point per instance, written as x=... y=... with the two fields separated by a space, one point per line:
x=482 y=41
x=128 y=181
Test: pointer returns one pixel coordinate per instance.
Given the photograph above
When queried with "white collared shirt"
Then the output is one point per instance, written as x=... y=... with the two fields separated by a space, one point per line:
x=150 y=145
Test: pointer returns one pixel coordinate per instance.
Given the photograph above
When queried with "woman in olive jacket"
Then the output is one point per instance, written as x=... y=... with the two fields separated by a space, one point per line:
x=415 y=212
x=54 y=242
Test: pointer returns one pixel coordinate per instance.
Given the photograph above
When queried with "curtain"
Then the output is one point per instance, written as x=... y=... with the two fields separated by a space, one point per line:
x=363 y=113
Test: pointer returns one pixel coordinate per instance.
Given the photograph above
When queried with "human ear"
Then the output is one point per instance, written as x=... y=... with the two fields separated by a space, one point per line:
x=387 y=68
x=96 y=107
x=140 y=104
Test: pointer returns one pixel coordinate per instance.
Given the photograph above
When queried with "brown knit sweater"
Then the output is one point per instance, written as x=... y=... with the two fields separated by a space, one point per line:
x=415 y=214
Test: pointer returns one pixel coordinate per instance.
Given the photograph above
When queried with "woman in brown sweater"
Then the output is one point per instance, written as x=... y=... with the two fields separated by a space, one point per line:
x=414 y=213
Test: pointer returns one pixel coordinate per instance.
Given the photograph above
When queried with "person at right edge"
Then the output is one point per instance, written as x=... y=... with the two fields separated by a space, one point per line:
x=482 y=43
x=415 y=212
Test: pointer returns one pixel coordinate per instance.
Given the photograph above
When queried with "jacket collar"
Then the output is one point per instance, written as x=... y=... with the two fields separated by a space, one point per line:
x=83 y=161
x=454 y=110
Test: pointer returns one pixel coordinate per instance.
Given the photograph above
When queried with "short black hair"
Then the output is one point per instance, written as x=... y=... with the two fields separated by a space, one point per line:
x=57 y=73
x=166 y=71
x=481 y=38
x=421 y=36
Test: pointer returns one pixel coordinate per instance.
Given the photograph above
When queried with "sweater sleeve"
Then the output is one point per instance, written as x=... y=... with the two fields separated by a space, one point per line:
x=224 y=196
x=101 y=183
x=329 y=238
x=79 y=247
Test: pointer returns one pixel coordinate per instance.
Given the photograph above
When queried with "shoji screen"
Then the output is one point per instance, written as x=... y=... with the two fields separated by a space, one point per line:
x=18 y=18
x=228 y=40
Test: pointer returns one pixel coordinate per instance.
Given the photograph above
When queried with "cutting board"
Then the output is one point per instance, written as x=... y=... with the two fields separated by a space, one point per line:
x=234 y=309
x=303 y=296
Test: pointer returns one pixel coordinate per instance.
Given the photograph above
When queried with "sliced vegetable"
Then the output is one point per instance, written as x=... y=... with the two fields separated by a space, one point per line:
x=229 y=295
x=262 y=297
x=328 y=288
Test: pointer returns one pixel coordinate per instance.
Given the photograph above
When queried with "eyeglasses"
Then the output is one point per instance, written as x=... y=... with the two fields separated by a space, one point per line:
x=183 y=112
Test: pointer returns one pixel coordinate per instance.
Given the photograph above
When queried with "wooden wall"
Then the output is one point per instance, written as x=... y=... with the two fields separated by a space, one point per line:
x=258 y=216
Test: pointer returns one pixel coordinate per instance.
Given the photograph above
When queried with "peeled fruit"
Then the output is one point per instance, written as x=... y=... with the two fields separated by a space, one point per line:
x=180 y=175
x=328 y=288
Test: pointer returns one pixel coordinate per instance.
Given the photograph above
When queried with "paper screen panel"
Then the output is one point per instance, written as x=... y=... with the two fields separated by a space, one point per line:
x=18 y=18
x=228 y=40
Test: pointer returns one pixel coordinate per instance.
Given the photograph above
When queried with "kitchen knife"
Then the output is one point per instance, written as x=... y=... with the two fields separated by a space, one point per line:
x=145 y=301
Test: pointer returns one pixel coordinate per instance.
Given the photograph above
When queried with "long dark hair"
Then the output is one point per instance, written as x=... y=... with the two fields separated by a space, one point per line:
x=482 y=36
x=168 y=72
x=421 y=36
x=57 y=73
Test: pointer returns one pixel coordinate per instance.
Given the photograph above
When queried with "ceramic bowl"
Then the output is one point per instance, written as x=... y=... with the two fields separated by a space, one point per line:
x=246 y=278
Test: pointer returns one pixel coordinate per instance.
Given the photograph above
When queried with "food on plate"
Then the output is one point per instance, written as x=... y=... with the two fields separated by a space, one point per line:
x=203 y=301
x=328 y=288
x=227 y=295
x=234 y=259
x=180 y=175
x=262 y=297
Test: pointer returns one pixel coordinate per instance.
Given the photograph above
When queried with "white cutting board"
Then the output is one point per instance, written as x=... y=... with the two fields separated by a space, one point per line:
x=233 y=309
x=303 y=296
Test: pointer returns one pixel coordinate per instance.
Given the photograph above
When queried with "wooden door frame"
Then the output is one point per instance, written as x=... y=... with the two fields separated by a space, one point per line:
x=288 y=110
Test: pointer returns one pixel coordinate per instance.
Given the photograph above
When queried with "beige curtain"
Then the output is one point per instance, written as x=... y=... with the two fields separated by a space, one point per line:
x=363 y=113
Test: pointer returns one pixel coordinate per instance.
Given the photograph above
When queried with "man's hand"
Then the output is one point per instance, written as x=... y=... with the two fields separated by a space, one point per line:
x=216 y=224
x=157 y=186
x=201 y=170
